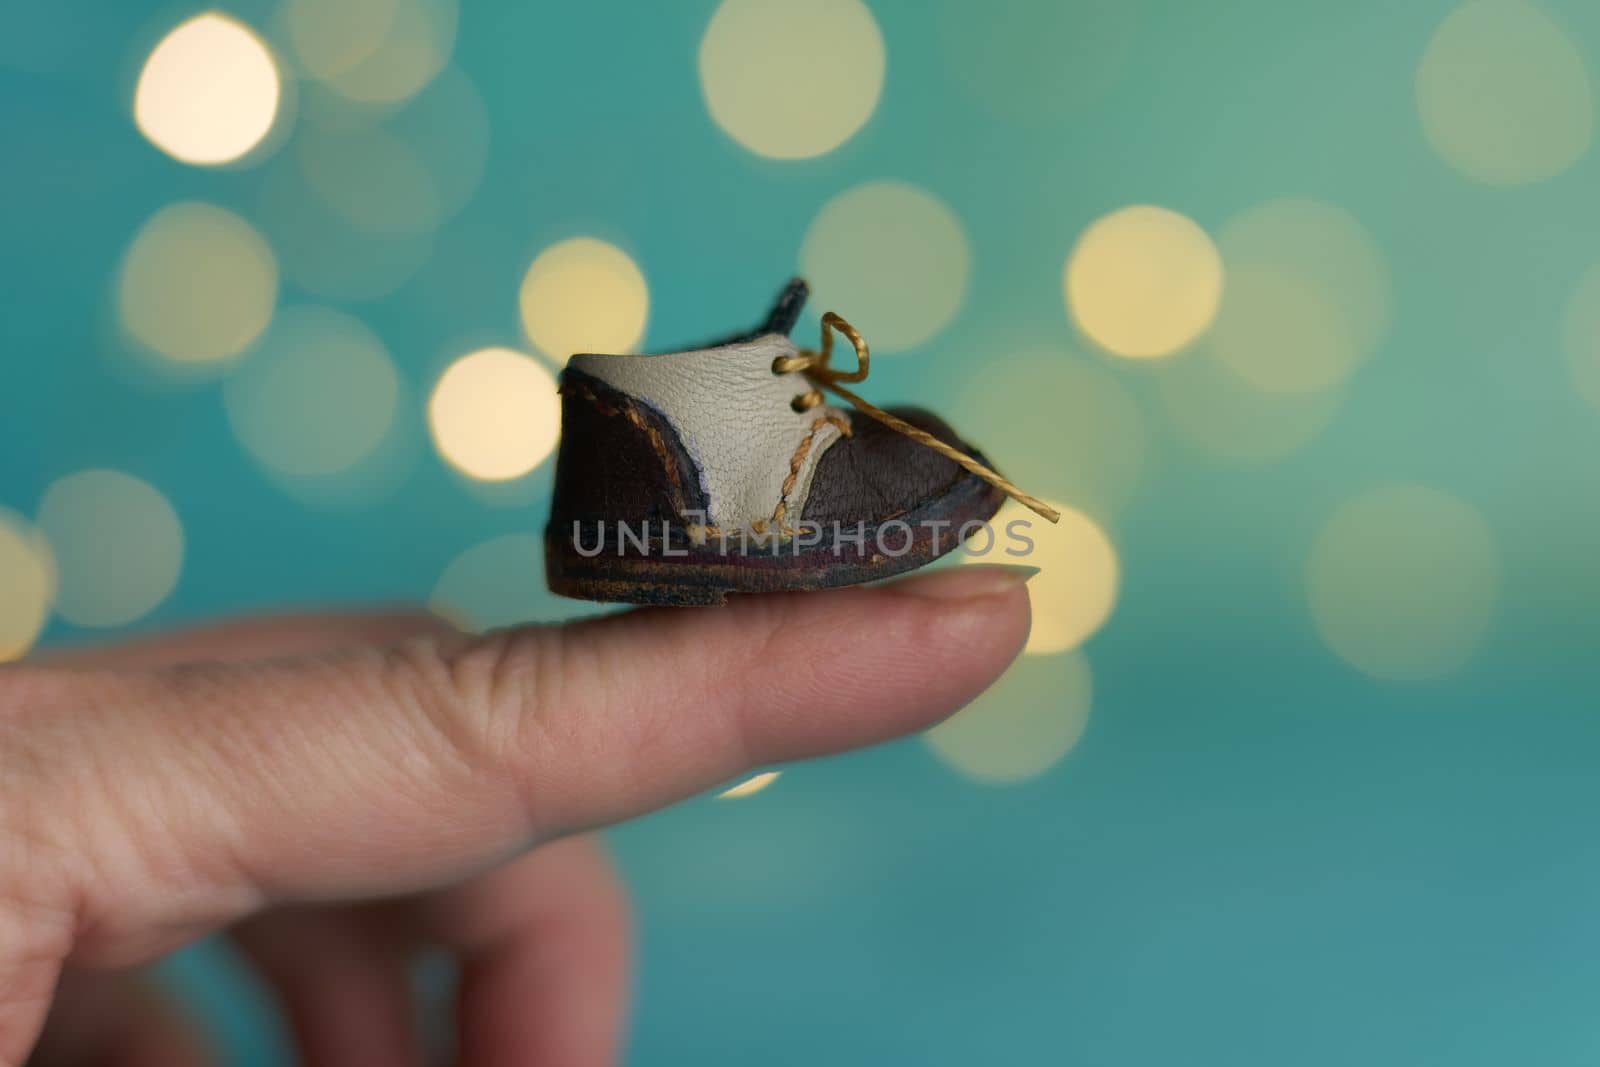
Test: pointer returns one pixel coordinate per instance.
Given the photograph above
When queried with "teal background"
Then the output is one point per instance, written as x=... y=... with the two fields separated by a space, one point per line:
x=1257 y=854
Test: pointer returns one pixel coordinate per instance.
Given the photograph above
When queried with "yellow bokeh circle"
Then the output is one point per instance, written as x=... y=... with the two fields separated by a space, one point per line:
x=791 y=81
x=1143 y=281
x=892 y=259
x=209 y=92
x=1402 y=582
x=584 y=295
x=118 y=546
x=27 y=585
x=317 y=396
x=1504 y=94
x=1021 y=727
x=332 y=36
x=1076 y=588
x=418 y=39
x=494 y=414
x=197 y=285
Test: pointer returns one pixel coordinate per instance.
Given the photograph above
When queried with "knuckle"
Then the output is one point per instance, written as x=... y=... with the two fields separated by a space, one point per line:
x=484 y=699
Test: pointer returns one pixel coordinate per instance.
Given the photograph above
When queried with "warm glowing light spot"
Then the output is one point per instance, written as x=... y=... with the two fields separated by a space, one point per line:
x=209 y=91
x=1212 y=407
x=1076 y=587
x=1321 y=245
x=316 y=397
x=1061 y=424
x=584 y=295
x=27 y=586
x=1281 y=334
x=117 y=543
x=1504 y=94
x=331 y=36
x=1022 y=726
x=753 y=784
x=321 y=252
x=1047 y=67
x=370 y=178
x=198 y=284
x=495 y=414
x=447 y=127
x=1143 y=281
x=1402 y=582
x=420 y=36
x=791 y=81
x=892 y=259
x=1581 y=336
x=500 y=583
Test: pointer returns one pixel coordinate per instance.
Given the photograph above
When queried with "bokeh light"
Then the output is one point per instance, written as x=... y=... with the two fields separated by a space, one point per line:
x=1047 y=67
x=495 y=414
x=1307 y=296
x=750 y=786
x=117 y=543
x=584 y=295
x=1281 y=334
x=197 y=285
x=892 y=259
x=1402 y=582
x=1060 y=424
x=1322 y=244
x=1581 y=336
x=418 y=40
x=1143 y=281
x=447 y=126
x=500 y=583
x=321 y=252
x=1212 y=407
x=370 y=178
x=791 y=81
x=317 y=396
x=209 y=92
x=1021 y=727
x=1075 y=590
x=332 y=36
x=27 y=585
x=1504 y=94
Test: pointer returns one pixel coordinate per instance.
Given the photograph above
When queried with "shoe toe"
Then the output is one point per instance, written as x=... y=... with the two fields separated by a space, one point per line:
x=878 y=473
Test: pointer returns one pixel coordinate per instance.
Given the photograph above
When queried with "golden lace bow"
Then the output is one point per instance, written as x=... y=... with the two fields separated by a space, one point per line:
x=817 y=366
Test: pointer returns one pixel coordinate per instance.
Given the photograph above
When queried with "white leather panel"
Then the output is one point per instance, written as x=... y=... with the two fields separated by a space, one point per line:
x=733 y=415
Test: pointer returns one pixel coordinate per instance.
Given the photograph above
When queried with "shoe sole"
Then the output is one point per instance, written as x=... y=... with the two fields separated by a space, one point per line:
x=706 y=575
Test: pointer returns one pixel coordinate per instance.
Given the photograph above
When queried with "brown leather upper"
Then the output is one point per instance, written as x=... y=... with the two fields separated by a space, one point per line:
x=619 y=461
x=878 y=473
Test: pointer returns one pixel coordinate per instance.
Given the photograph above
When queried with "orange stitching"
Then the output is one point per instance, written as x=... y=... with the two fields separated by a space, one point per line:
x=660 y=445
x=657 y=442
x=795 y=463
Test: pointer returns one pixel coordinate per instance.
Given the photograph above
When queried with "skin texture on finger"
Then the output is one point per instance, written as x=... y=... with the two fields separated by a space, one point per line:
x=118 y=1018
x=206 y=792
x=344 y=987
x=268 y=637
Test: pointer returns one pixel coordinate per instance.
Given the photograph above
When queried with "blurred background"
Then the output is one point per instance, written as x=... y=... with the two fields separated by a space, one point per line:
x=1293 y=308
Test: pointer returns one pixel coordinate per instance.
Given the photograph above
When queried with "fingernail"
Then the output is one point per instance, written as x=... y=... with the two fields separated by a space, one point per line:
x=965 y=583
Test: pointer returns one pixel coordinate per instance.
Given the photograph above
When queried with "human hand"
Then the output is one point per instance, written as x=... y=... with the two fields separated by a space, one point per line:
x=342 y=791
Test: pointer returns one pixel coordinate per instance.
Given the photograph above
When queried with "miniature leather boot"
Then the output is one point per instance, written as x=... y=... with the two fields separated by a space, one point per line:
x=686 y=476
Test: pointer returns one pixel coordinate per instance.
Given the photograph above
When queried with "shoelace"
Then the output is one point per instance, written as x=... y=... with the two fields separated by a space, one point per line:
x=817 y=367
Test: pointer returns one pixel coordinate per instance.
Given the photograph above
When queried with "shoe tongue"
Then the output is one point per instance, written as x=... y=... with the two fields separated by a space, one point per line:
x=786 y=309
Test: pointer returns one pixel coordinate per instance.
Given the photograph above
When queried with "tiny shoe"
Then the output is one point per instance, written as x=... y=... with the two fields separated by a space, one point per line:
x=687 y=476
